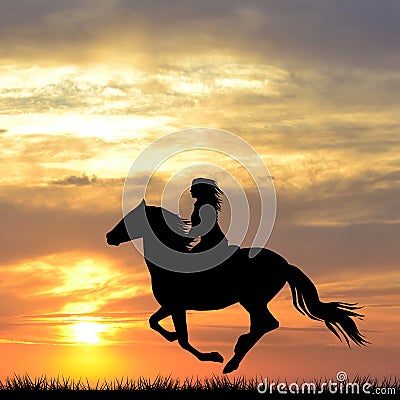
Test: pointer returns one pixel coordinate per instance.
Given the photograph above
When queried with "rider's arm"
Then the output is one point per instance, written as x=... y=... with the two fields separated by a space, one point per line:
x=208 y=218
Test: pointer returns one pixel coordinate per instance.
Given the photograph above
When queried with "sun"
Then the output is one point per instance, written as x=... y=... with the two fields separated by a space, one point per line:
x=87 y=332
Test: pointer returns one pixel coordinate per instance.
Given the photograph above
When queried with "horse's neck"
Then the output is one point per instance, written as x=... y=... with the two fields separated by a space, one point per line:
x=149 y=249
x=158 y=275
x=153 y=269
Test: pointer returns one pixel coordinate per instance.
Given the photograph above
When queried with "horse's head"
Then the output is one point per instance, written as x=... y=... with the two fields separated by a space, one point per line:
x=134 y=219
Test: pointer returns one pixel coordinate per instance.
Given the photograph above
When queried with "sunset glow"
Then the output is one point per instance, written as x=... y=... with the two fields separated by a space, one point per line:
x=85 y=87
x=87 y=332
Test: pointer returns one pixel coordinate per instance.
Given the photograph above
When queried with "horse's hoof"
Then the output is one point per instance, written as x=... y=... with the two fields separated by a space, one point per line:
x=171 y=336
x=230 y=367
x=216 y=357
x=213 y=356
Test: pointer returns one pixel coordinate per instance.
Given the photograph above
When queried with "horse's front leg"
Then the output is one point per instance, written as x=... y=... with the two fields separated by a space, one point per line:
x=179 y=319
x=154 y=320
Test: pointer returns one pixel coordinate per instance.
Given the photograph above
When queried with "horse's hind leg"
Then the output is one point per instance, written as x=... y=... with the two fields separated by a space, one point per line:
x=179 y=318
x=261 y=322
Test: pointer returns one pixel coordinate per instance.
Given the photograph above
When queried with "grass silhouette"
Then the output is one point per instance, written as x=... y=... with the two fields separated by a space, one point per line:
x=221 y=387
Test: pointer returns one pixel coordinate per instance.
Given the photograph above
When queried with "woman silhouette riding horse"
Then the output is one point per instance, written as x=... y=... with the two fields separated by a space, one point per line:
x=251 y=282
x=204 y=218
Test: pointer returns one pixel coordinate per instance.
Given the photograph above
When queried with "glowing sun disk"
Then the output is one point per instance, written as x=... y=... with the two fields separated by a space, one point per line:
x=87 y=332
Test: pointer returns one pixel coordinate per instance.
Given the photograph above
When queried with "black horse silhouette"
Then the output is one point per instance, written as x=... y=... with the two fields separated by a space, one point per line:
x=251 y=282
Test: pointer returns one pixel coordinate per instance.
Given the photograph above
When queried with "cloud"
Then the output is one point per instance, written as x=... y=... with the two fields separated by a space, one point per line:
x=328 y=198
x=325 y=250
x=49 y=230
x=318 y=247
x=243 y=327
x=85 y=85
x=37 y=148
x=82 y=180
x=79 y=286
x=311 y=33
x=33 y=161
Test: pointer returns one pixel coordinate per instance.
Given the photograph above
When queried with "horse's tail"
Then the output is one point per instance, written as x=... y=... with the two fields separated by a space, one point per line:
x=334 y=314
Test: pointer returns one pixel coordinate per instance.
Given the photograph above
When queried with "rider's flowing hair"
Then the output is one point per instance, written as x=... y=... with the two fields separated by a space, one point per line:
x=208 y=192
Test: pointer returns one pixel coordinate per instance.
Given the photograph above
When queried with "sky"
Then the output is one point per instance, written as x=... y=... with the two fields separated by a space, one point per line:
x=85 y=86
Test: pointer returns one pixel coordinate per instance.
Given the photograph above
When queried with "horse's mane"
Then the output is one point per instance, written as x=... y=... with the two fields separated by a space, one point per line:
x=169 y=228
